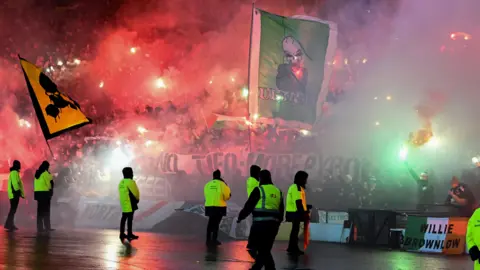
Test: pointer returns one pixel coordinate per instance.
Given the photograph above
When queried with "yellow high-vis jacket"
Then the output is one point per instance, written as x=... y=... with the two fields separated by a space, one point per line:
x=15 y=185
x=473 y=234
x=129 y=195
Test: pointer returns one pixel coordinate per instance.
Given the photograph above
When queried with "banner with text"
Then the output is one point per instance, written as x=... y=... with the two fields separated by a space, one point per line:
x=332 y=217
x=237 y=163
x=436 y=235
x=230 y=163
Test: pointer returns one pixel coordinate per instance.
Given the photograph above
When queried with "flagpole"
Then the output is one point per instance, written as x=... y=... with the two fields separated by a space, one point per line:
x=206 y=125
x=205 y=120
x=49 y=148
x=248 y=78
x=46 y=141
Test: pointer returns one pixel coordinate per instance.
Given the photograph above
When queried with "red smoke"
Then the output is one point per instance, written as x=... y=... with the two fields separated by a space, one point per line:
x=198 y=48
x=432 y=104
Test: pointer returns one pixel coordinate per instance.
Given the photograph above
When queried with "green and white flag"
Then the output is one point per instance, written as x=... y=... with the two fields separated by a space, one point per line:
x=288 y=72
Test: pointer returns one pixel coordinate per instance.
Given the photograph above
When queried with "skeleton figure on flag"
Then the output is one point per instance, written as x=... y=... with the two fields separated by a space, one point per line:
x=292 y=75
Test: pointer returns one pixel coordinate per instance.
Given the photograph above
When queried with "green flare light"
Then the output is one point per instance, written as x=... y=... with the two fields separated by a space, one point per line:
x=403 y=153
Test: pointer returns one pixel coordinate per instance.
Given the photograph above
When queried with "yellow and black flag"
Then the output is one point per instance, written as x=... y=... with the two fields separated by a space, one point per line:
x=56 y=112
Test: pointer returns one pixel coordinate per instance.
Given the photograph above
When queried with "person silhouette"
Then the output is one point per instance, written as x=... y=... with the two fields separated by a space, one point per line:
x=129 y=196
x=15 y=192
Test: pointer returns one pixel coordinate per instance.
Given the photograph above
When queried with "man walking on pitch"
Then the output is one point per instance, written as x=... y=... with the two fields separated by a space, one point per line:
x=129 y=196
x=266 y=205
x=15 y=191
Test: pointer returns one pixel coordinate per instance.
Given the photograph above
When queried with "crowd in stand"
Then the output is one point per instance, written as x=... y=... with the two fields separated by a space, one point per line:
x=73 y=153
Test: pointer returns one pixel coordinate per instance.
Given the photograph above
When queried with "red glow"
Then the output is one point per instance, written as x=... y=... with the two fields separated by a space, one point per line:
x=298 y=72
x=112 y=73
x=462 y=35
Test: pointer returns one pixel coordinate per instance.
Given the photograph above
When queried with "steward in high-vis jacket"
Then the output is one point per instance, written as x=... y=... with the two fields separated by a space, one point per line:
x=266 y=205
x=216 y=193
x=15 y=191
x=473 y=238
x=129 y=196
x=43 y=191
x=297 y=210
x=252 y=183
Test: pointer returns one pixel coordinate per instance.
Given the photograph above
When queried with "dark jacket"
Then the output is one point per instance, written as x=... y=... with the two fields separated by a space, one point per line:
x=425 y=191
x=464 y=192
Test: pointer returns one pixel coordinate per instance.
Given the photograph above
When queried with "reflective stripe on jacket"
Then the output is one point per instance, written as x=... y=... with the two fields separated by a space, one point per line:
x=268 y=206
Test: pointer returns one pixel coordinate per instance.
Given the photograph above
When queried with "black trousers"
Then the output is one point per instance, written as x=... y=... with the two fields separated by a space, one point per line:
x=10 y=222
x=293 y=241
x=265 y=233
x=43 y=214
x=126 y=217
x=251 y=239
x=212 y=227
